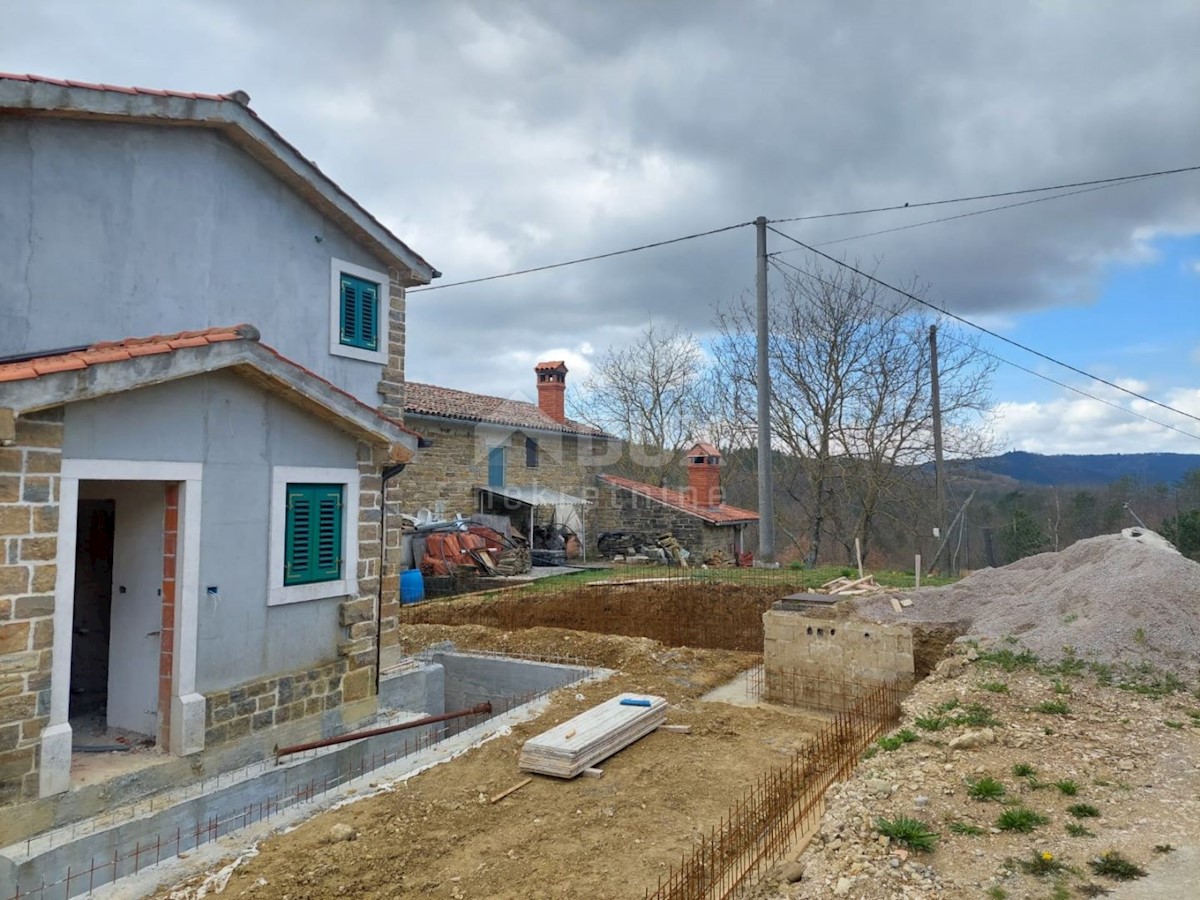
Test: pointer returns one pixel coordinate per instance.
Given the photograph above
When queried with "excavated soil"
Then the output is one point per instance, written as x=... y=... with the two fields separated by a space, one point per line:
x=437 y=835
x=1110 y=599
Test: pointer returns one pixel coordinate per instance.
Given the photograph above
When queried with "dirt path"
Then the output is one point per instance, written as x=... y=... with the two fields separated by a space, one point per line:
x=438 y=836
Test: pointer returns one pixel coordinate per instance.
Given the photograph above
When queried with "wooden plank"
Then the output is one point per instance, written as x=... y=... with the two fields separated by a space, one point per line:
x=853 y=584
x=592 y=773
x=516 y=787
x=896 y=605
x=676 y=729
x=594 y=735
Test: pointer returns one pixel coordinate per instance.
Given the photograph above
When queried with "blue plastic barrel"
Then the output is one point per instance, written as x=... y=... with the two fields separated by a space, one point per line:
x=412 y=586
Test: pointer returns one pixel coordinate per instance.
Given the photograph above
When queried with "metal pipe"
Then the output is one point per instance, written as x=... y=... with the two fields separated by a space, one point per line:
x=479 y=709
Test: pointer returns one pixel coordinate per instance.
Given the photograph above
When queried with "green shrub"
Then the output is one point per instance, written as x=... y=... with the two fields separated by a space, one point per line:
x=1023 y=770
x=965 y=828
x=1020 y=818
x=897 y=740
x=995 y=687
x=1074 y=829
x=985 y=788
x=1083 y=811
x=977 y=715
x=913 y=833
x=952 y=703
x=1067 y=786
x=931 y=723
x=1008 y=660
x=1054 y=707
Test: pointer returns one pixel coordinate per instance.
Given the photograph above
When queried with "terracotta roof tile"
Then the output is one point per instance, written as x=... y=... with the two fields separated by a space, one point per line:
x=431 y=400
x=93 y=86
x=703 y=449
x=550 y=364
x=717 y=515
x=117 y=351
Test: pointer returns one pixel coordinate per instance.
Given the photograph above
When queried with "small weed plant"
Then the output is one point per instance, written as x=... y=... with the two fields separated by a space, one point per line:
x=995 y=687
x=986 y=788
x=912 y=833
x=1009 y=660
x=965 y=828
x=1054 y=708
x=1061 y=688
x=1163 y=848
x=931 y=723
x=1067 y=786
x=1023 y=770
x=1020 y=818
x=1040 y=864
x=897 y=740
x=947 y=706
x=1111 y=864
x=995 y=892
x=1075 y=829
x=1083 y=811
x=977 y=715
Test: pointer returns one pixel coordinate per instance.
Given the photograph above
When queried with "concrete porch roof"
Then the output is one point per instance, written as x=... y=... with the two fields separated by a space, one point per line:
x=37 y=382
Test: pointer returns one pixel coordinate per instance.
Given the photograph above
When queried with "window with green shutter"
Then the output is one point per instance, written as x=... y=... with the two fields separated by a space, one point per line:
x=359 y=312
x=496 y=467
x=313 y=534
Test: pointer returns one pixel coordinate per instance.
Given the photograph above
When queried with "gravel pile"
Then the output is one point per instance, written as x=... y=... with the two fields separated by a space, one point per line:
x=1114 y=599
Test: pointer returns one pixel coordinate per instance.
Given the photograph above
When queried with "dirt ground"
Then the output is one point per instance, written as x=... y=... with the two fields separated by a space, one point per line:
x=1133 y=758
x=437 y=835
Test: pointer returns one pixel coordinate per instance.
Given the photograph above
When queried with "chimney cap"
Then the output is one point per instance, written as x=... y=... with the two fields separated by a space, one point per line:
x=704 y=450
x=551 y=366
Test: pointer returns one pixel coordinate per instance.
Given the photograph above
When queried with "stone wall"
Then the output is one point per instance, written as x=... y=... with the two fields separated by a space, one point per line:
x=233 y=714
x=391 y=384
x=619 y=509
x=457 y=461
x=799 y=648
x=356 y=615
x=29 y=484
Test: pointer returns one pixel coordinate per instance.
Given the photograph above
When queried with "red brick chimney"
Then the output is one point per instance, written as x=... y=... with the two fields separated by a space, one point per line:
x=552 y=388
x=704 y=475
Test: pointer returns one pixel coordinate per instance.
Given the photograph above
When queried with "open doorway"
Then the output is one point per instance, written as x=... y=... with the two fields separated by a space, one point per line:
x=118 y=614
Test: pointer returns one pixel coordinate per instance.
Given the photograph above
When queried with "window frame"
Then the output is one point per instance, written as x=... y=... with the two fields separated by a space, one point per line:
x=279 y=593
x=503 y=452
x=338 y=268
x=533 y=453
x=316 y=495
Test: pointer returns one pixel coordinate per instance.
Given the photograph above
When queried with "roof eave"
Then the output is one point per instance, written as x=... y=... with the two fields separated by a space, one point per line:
x=495 y=423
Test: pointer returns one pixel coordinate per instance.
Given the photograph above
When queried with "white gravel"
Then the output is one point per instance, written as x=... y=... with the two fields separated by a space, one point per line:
x=1110 y=598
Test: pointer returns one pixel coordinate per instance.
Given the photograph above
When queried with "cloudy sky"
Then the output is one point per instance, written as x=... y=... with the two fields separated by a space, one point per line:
x=494 y=136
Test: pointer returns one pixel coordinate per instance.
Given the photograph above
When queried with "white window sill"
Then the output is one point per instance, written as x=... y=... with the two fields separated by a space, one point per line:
x=320 y=590
x=379 y=357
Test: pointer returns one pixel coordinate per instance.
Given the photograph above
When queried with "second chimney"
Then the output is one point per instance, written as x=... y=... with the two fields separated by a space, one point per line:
x=704 y=475
x=552 y=388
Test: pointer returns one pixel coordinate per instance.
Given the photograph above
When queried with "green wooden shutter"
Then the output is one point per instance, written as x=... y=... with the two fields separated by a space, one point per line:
x=313 y=534
x=359 y=313
x=496 y=467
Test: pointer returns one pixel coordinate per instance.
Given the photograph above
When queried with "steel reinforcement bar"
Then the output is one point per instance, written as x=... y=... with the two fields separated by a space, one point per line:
x=760 y=827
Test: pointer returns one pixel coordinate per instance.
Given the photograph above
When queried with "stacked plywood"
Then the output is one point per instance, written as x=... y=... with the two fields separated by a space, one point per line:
x=567 y=749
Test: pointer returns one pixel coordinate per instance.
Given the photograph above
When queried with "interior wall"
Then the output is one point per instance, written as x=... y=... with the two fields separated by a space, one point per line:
x=93 y=606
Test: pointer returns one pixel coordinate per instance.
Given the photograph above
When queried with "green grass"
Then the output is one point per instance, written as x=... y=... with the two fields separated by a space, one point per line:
x=1171 y=724
x=1074 y=829
x=897 y=740
x=1020 y=818
x=1111 y=864
x=986 y=788
x=1067 y=786
x=995 y=687
x=995 y=892
x=951 y=704
x=1054 y=708
x=912 y=833
x=977 y=715
x=1060 y=688
x=1008 y=659
x=931 y=723
x=965 y=828
x=1023 y=770
x=1083 y=811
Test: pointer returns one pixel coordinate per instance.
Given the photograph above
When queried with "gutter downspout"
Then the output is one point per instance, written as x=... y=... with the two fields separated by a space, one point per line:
x=388 y=474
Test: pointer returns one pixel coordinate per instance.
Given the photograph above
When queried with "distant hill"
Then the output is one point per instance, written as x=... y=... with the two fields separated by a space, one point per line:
x=1081 y=469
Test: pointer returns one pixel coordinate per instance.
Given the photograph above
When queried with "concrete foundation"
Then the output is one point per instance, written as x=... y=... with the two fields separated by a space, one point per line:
x=96 y=852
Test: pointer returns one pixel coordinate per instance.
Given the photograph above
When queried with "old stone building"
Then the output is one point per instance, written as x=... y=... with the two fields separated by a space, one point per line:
x=697 y=517
x=481 y=453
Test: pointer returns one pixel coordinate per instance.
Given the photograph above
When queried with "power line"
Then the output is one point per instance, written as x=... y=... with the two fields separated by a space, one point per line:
x=994 y=196
x=1009 y=362
x=966 y=215
x=582 y=259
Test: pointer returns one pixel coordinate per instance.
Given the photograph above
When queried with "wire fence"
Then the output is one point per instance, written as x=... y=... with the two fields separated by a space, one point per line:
x=131 y=857
x=760 y=827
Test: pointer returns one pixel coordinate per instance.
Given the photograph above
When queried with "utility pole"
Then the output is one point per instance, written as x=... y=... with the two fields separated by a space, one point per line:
x=939 y=471
x=766 y=499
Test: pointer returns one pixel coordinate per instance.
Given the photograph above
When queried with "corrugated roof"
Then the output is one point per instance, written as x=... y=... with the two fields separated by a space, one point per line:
x=534 y=496
x=717 y=515
x=431 y=400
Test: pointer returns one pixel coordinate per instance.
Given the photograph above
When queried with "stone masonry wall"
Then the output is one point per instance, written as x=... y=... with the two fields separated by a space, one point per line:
x=29 y=485
x=450 y=469
x=391 y=384
x=356 y=615
x=251 y=707
x=799 y=648
x=618 y=509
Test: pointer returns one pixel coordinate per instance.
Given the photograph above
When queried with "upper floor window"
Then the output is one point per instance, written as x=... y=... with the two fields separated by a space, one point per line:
x=496 y=467
x=359 y=304
x=531 y=453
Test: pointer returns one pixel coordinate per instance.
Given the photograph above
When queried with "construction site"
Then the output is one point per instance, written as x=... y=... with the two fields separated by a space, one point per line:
x=767 y=692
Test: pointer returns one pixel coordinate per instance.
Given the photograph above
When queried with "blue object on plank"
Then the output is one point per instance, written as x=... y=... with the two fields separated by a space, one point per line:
x=631 y=701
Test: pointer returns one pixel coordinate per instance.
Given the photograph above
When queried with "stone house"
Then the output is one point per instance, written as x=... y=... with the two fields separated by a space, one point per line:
x=697 y=516
x=483 y=454
x=190 y=534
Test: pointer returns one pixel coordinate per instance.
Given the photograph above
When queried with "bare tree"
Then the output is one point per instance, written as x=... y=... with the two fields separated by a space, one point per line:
x=850 y=404
x=649 y=392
